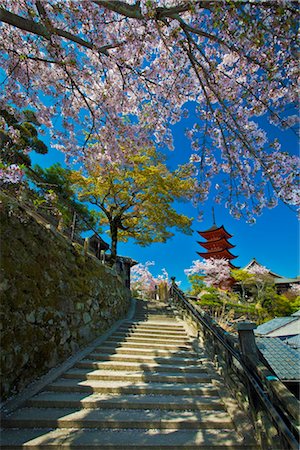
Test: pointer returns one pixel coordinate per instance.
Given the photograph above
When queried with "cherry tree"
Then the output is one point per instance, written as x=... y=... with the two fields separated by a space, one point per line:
x=295 y=289
x=216 y=271
x=261 y=279
x=118 y=72
x=11 y=174
x=143 y=282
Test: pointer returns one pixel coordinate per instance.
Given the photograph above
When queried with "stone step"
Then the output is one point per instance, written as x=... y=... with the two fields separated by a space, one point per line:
x=159 y=322
x=151 y=333
x=144 y=388
x=114 y=375
x=110 y=401
x=148 y=331
x=136 y=366
x=152 y=317
x=144 y=351
x=144 y=359
x=59 y=439
x=145 y=345
x=136 y=337
x=146 y=328
x=113 y=418
x=151 y=341
x=127 y=387
x=174 y=326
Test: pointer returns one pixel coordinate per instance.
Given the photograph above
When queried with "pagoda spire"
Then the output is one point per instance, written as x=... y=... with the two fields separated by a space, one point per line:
x=213 y=215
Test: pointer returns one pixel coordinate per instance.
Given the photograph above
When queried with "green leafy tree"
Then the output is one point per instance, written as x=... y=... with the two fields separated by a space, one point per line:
x=57 y=196
x=137 y=197
x=243 y=278
x=197 y=284
x=275 y=305
x=19 y=136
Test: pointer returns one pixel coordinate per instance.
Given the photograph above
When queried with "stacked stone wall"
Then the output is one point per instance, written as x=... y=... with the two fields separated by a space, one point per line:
x=54 y=299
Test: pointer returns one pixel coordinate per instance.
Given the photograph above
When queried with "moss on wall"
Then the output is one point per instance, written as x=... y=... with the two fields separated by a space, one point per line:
x=54 y=299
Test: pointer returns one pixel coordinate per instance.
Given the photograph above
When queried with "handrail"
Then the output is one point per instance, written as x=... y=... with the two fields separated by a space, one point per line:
x=254 y=380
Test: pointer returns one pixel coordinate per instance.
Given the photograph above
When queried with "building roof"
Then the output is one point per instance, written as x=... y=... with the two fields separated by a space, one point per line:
x=293 y=341
x=128 y=260
x=95 y=238
x=254 y=262
x=278 y=323
x=215 y=232
x=283 y=280
x=284 y=361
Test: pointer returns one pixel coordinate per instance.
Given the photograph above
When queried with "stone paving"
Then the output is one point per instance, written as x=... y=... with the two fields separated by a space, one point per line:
x=144 y=387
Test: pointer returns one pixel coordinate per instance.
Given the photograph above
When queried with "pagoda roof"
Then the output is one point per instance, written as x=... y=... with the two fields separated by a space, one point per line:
x=220 y=241
x=217 y=254
x=215 y=233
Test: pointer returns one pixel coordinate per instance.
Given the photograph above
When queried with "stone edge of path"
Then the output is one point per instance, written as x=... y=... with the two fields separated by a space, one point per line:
x=36 y=386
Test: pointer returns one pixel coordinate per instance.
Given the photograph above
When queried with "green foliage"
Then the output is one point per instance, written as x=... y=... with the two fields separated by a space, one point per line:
x=210 y=300
x=241 y=275
x=137 y=197
x=197 y=284
x=230 y=306
x=296 y=303
x=24 y=125
x=56 y=194
x=275 y=305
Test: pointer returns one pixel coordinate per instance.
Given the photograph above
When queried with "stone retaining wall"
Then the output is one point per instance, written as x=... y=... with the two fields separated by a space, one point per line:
x=54 y=299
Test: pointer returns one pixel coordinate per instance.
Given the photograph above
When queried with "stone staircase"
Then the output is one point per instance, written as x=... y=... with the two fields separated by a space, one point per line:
x=145 y=387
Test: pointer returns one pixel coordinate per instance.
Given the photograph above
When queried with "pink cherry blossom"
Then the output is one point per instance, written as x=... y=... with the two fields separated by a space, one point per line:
x=258 y=270
x=216 y=271
x=122 y=73
x=142 y=280
x=11 y=174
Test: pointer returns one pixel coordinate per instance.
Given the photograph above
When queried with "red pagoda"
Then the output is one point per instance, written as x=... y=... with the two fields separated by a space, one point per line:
x=217 y=244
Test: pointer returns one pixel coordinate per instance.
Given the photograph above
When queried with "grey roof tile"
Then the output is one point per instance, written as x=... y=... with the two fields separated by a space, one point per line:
x=274 y=324
x=293 y=341
x=284 y=360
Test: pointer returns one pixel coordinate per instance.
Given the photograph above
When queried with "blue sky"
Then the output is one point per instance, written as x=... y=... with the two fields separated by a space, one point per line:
x=273 y=240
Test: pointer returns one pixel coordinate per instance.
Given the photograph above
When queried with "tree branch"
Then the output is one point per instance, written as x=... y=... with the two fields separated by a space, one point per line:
x=123 y=8
x=41 y=30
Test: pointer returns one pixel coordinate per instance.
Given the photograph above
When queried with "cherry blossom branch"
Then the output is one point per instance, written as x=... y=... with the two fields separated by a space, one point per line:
x=40 y=30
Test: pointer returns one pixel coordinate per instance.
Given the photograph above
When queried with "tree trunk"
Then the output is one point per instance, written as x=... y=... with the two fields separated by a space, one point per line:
x=114 y=242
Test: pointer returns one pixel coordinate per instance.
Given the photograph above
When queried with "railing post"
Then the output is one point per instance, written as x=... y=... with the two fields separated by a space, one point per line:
x=173 y=285
x=249 y=353
x=247 y=340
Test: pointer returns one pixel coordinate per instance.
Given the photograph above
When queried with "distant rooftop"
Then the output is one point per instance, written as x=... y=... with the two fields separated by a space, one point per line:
x=283 y=280
x=254 y=263
x=275 y=324
x=284 y=361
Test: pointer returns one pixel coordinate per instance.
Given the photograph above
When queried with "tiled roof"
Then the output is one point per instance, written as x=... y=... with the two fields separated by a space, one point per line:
x=283 y=280
x=254 y=262
x=293 y=341
x=284 y=361
x=274 y=324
